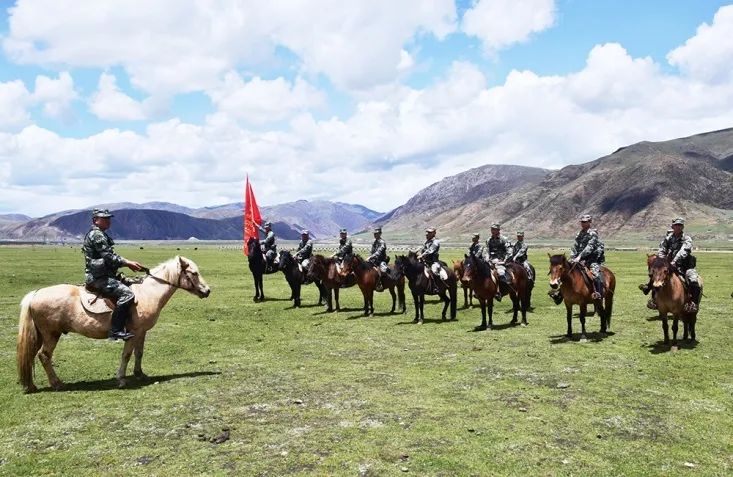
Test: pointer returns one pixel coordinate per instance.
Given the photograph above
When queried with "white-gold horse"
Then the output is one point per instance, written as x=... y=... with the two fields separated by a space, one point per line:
x=47 y=313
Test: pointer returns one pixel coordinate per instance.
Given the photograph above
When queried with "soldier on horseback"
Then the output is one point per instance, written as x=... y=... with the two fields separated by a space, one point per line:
x=677 y=247
x=430 y=255
x=378 y=256
x=269 y=247
x=495 y=252
x=589 y=249
x=518 y=254
x=475 y=248
x=345 y=247
x=305 y=250
x=101 y=272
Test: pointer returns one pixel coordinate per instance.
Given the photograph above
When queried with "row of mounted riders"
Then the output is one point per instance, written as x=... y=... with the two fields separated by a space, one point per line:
x=570 y=282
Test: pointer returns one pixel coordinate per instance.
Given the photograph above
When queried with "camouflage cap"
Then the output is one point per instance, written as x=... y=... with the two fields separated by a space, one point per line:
x=342 y=231
x=476 y=235
x=586 y=218
x=102 y=213
x=378 y=230
x=520 y=233
x=430 y=230
x=495 y=226
x=678 y=221
x=304 y=232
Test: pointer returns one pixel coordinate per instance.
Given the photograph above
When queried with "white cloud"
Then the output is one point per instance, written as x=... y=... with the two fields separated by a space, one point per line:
x=56 y=95
x=708 y=55
x=501 y=23
x=14 y=102
x=111 y=104
x=261 y=101
x=171 y=46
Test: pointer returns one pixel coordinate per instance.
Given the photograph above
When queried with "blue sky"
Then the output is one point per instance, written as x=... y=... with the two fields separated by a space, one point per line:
x=316 y=99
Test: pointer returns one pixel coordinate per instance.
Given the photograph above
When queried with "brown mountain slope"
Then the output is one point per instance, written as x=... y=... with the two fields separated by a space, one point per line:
x=633 y=192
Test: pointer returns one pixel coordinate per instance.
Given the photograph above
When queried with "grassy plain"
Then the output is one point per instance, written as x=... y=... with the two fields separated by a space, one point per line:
x=302 y=392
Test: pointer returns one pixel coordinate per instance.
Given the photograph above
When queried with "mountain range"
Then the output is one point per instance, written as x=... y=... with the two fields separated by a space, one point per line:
x=633 y=192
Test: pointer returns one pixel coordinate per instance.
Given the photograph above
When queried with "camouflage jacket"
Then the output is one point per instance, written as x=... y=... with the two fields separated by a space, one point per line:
x=519 y=251
x=345 y=248
x=378 y=253
x=588 y=246
x=496 y=248
x=269 y=243
x=101 y=261
x=305 y=250
x=476 y=250
x=677 y=249
x=430 y=251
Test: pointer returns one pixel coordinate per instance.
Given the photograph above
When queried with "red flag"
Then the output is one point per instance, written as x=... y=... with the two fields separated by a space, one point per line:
x=251 y=215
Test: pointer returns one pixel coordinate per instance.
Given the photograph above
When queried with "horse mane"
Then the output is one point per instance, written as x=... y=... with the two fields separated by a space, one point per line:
x=659 y=262
x=167 y=269
x=558 y=259
x=483 y=268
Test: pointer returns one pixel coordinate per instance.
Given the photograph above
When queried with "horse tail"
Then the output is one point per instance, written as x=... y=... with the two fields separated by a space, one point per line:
x=29 y=342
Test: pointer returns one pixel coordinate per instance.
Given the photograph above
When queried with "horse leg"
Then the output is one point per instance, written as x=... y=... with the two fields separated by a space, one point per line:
x=446 y=303
x=569 y=309
x=416 y=301
x=693 y=321
x=329 y=299
x=296 y=295
x=490 y=310
x=122 y=371
x=515 y=308
x=336 y=297
x=686 y=329
x=583 y=311
x=50 y=340
x=483 y=314
x=470 y=297
x=465 y=296
x=370 y=294
x=675 y=327
x=524 y=303
x=262 y=287
x=394 y=299
x=665 y=327
x=139 y=345
x=422 y=308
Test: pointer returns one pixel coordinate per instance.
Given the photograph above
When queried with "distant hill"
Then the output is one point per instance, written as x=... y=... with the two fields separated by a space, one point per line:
x=635 y=192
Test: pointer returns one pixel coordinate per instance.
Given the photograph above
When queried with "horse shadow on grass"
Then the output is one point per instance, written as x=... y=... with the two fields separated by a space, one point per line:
x=380 y=314
x=591 y=337
x=428 y=321
x=131 y=382
x=659 y=347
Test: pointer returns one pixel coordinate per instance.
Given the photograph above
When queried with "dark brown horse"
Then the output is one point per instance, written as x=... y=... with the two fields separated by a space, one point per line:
x=671 y=296
x=296 y=278
x=478 y=276
x=420 y=286
x=324 y=269
x=367 y=277
x=577 y=289
x=257 y=266
x=467 y=290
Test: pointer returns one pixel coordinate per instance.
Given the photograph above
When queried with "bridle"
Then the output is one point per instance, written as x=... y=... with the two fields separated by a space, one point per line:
x=163 y=280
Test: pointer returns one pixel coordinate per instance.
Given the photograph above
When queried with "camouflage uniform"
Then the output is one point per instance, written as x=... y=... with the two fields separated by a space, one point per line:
x=590 y=249
x=269 y=247
x=345 y=248
x=476 y=249
x=430 y=254
x=304 y=252
x=378 y=254
x=495 y=252
x=678 y=249
x=100 y=275
x=519 y=255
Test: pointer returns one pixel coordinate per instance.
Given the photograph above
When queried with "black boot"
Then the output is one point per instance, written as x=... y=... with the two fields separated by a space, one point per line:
x=693 y=305
x=119 y=317
x=646 y=287
x=598 y=286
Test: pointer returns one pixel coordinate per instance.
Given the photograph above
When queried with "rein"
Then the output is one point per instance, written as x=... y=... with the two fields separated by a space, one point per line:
x=163 y=280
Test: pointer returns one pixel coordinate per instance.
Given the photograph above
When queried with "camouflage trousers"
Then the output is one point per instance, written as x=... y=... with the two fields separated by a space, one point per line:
x=692 y=276
x=595 y=269
x=526 y=266
x=500 y=268
x=112 y=289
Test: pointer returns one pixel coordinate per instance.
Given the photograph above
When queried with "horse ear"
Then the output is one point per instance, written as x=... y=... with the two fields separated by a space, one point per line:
x=548 y=255
x=183 y=262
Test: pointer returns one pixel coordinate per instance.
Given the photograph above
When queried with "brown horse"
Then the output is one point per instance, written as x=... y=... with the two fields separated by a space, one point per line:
x=477 y=275
x=47 y=313
x=577 y=290
x=420 y=285
x=467 y=290
x=324 y=269
x=671 y=296
x=367 y=278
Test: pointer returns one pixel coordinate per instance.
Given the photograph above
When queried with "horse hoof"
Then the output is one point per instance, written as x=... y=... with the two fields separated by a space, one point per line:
x=121 y=383
x=419 y=322
x=674 y=348
x=141 y=375
x=583 y=339
x=31 y=389
x=57 y=386
x=524 y=324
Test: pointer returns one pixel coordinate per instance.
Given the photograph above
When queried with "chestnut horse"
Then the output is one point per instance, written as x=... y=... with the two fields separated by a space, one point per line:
x=467 y=290
x=671 y=296
x=324 y=269
x=420 y=286
x=296 y=278
x=478 y=276
x=47 y=313
x=367 y=278
x=577 y=290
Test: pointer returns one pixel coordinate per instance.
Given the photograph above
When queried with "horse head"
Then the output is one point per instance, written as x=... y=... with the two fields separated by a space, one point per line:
x=253 y=244
x=317 y=267
x=559 y=266
x=183 y=273
x=458 y=268
x=348 y=265
x=468 y=268
x=659 y=271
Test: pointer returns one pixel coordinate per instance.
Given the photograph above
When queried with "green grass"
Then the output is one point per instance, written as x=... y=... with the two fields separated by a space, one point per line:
x=308 y=393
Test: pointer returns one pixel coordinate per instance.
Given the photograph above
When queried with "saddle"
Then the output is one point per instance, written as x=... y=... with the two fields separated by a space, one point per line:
x=95 y=303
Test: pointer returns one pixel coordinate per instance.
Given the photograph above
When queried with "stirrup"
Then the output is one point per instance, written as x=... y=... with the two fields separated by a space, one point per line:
x=596 y=295
x=120 y=335
x=379 y=287
x=691 y=307
x=644 y=288
x=651 y=304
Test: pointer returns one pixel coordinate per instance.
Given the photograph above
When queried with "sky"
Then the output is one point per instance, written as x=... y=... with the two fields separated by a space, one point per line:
x=363 y=102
